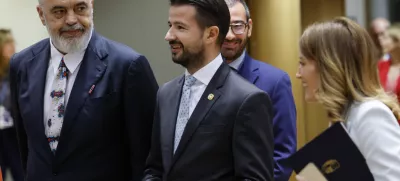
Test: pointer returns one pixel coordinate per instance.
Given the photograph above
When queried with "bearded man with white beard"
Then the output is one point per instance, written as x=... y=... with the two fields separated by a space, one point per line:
x=82 y=104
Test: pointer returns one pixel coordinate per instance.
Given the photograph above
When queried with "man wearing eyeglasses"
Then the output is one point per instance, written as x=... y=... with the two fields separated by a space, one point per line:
x=266 y=77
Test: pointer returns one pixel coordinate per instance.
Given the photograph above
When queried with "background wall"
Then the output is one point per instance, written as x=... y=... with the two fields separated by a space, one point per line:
x=141 y=25
x=21 y=17
x=378 y=8
x=356 y=10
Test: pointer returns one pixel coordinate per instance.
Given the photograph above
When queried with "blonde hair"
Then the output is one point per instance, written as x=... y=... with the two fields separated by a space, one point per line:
x=394 y=32
x=345 y=57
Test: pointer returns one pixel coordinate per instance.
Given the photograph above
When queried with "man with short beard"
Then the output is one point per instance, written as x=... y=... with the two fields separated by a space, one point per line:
x=266 y=77
x=210 y=124
x=83 y=105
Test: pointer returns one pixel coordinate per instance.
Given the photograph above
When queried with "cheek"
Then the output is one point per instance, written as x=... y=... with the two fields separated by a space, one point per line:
x=55 y=25
x=85 y=21
x=241 y=39
x=9 y=50
x=190 y=40
x=312 y=81
x=311 y=77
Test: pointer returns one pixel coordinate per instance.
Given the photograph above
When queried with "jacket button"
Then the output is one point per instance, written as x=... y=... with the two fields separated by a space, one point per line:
x=54 y=174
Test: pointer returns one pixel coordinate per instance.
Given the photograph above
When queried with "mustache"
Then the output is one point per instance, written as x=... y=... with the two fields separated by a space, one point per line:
x=236 y=40
x=75 y=27
x=175 y=42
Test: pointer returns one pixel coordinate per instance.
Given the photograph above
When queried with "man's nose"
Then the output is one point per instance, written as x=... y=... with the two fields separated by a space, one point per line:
x=230 y=35
x=169 y=36
x=71 y=18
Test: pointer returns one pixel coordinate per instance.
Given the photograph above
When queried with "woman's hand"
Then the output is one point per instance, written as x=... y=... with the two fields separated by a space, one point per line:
x=300 y=178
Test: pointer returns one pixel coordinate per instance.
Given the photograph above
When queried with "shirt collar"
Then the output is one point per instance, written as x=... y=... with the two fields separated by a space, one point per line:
x=236 y=63
x=205 y=74
x=72 y=60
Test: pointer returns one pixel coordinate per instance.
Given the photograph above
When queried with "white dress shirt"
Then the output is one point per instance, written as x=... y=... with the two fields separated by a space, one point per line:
x=73 y=63
x=203 y=78
x=376 y=132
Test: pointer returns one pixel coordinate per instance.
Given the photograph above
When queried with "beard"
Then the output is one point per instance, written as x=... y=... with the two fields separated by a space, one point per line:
x=71 y=44
x=233 y=53
x=189 y=56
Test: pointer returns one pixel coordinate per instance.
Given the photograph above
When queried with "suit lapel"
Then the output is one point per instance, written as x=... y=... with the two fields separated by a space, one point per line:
x=250 y=69
x=202 y=108
x=168 y=127
x=37 y=71
x=90 y=72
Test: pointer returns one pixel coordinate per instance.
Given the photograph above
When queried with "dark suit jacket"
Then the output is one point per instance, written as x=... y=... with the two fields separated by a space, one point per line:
x=226 y=138
x=105 y=134
x=277 y=84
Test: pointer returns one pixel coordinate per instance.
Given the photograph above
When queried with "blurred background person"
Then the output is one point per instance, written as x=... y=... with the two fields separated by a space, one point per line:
x=9 y=152
x=389 y=71
x=270 y=79
x=337 y=68
x=377 y=31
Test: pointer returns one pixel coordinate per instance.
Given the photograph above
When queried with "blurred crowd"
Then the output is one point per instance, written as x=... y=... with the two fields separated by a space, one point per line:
x=386 y=36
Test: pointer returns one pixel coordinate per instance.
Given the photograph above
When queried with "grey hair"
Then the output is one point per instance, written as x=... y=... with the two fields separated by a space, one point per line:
x=231 y=3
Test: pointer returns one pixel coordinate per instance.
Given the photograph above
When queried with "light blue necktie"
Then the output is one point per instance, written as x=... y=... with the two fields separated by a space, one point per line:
x=183 y=114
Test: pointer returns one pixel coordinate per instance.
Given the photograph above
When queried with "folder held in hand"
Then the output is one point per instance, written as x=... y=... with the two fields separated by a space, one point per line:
x=334 y=153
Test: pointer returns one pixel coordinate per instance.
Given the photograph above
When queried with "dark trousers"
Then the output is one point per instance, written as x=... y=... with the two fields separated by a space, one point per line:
x=10 y=155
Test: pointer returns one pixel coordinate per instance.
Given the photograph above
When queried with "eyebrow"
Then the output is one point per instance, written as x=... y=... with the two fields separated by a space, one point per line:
x=63 y=7
x=57 y=7
x=82 y=3
x=238 y=21
x=177 y=23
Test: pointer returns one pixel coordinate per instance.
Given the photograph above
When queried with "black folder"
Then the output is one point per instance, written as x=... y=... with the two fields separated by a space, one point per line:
x=335 y=154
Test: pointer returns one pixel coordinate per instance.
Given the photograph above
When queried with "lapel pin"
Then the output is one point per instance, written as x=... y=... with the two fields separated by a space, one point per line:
x=91 y=89
x=210 y=97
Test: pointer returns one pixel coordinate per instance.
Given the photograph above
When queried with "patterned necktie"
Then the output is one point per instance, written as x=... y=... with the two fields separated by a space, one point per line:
x=183 y=114
x=56 y=116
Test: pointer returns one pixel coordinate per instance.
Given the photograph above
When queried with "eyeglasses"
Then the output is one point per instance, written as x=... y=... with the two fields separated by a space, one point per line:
x=238 y=28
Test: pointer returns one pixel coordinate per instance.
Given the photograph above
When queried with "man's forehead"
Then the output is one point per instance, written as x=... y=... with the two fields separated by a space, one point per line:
x=181 y=13
x=64 y=2
x=238 y=12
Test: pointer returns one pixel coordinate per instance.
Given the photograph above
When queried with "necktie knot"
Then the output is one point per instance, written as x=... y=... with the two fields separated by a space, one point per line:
x=62 y=64
x=62 y=69
x=189 y=80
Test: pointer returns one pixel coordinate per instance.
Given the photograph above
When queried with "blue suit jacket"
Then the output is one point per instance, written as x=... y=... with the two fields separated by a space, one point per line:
x=277 y=84
x=106 y=133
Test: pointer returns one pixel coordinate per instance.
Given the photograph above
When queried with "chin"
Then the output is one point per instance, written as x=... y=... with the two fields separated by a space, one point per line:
x=179 y=61
x=310 y=99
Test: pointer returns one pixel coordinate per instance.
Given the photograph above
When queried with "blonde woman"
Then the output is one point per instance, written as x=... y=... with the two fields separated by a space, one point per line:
x=338 y=69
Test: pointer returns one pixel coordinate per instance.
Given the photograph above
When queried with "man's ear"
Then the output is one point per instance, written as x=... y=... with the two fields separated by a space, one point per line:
x=211 y=34
x=250 y=22
x=41 y=14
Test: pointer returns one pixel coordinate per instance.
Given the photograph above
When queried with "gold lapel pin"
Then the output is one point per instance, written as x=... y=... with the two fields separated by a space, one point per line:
x=210 y=97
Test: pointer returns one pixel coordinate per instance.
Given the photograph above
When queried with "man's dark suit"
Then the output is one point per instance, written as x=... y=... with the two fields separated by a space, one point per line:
x=226 y=138
x=106 y=133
